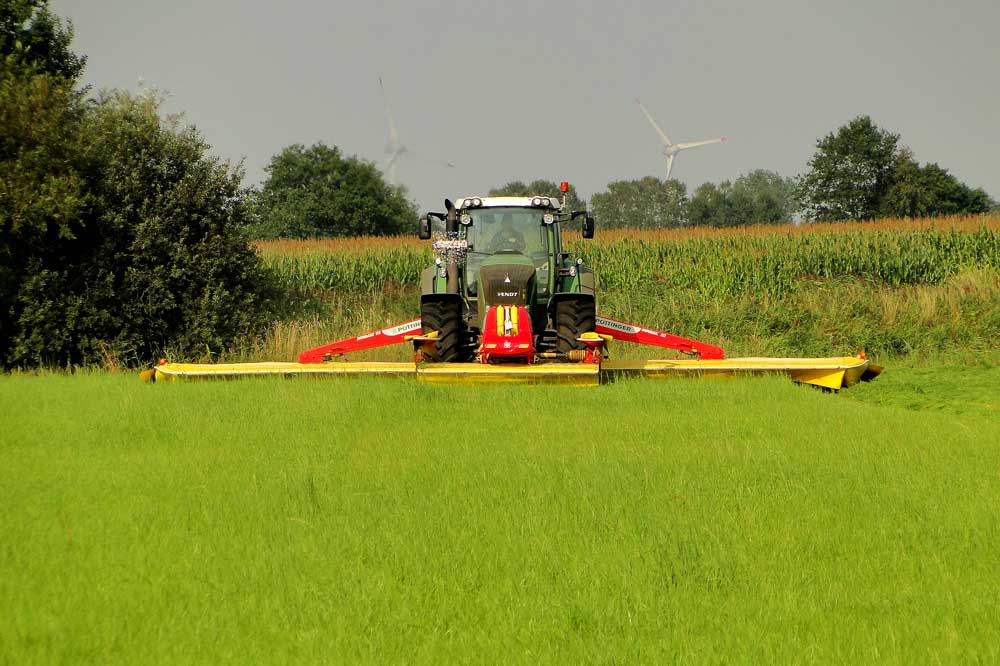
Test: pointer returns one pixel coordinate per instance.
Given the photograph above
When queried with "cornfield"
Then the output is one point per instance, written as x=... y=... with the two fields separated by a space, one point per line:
x=766 y=260
x=329 y=268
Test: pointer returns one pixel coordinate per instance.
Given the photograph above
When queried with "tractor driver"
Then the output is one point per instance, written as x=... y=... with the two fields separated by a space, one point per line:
x=507 y=238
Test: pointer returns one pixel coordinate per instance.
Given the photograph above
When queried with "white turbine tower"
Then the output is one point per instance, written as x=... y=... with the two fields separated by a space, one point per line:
x=395 y=150
x=671 y=149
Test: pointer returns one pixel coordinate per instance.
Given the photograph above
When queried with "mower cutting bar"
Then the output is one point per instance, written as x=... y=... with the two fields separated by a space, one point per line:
x=831 y=373
x=587 y=374
x=172 y=371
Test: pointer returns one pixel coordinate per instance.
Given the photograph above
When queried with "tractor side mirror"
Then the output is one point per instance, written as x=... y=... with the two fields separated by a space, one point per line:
x=588 y=227
x=424 y=228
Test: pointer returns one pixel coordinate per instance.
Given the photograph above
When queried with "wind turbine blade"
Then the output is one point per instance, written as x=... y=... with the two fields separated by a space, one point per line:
x=695 y=144
x=393 y=136
x=670 y=166
x=663 y=135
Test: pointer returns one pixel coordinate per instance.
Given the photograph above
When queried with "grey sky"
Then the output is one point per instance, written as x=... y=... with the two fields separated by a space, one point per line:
x=520 y=89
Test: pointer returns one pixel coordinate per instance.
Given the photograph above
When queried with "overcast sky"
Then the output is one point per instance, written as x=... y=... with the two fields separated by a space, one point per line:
x=529 y=89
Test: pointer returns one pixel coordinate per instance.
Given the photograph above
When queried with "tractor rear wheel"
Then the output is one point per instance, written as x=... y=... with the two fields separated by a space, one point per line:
x=573 y=318
x=445 y=317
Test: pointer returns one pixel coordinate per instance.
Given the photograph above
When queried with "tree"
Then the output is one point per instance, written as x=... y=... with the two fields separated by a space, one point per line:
x=42 y=186
x=773 y=197
x=922 y=191
x=119 y=236
x=709 y=206
x=850 y=173
x=36 y=37
x=317 y=192
x=647 y=203
x=153 y=258
x=545 y=188
x=759 y=197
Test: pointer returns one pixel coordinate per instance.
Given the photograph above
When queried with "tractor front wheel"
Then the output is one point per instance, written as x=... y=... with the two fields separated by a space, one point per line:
x=445 y=317
x=573 y=318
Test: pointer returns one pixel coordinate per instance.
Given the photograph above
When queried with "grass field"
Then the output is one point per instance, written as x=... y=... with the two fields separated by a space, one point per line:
x=742 y=521
x=671 y=521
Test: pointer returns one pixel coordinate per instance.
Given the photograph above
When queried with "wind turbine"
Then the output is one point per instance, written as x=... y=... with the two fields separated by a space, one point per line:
x=394 y=149
x=673 y=148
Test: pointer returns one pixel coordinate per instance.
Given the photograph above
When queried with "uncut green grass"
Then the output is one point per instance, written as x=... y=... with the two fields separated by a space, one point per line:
x=820 y=318
x=741 y=521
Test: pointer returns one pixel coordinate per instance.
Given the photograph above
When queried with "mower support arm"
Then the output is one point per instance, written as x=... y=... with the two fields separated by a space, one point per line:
x=392 y=335
x=620 y=330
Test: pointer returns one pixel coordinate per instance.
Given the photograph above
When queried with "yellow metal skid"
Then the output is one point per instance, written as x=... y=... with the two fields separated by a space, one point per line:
x=833 y=373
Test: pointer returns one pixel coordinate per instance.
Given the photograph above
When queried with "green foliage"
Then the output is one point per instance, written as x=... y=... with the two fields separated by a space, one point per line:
x=647 y=203
x=929 y=190
x=349 y=271
x=960 y=315
x=714 y=265
x=545 y=188
x=759 y=197
x=119 y=236
x=772 y=198
x=316 y=192
x=137 y=246
x=814 y=290
x=850 y=173
x=31 y=35
x=40 y=144
x=43 y=189
x=774 y=264
x=709 y=206
x=861 y=173
x=173 y=217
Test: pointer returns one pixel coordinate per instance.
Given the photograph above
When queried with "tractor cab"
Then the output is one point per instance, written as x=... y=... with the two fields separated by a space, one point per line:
x=509 y=234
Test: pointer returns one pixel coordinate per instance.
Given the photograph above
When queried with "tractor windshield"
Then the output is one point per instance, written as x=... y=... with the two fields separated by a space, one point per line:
x=496 y=230
x=509 y=229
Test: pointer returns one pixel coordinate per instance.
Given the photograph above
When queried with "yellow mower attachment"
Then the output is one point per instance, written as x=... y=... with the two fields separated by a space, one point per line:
x=831 y=373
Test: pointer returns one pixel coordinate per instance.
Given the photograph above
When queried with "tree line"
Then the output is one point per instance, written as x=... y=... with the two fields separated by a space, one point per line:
x=858 y=172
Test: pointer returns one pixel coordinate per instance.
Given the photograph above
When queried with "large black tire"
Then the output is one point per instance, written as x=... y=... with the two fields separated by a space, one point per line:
x=573 y=318
x=445 y=317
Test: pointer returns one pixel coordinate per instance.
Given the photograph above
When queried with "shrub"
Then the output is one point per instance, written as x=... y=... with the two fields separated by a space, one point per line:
x=156 y=258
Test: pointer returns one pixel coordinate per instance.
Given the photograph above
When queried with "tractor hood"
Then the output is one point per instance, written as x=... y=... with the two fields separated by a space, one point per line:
x=504 y=282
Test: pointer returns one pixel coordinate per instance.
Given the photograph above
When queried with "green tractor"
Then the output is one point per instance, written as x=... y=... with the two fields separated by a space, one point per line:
x=502 y=285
